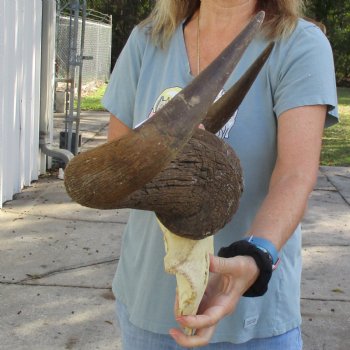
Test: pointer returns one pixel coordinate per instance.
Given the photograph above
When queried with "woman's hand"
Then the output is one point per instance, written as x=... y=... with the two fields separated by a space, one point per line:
x=229 y=280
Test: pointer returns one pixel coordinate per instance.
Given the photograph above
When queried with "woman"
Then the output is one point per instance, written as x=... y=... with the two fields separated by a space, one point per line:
x=276 y=133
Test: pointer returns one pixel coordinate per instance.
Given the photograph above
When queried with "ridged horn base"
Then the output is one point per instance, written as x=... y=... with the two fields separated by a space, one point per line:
x=198 y=192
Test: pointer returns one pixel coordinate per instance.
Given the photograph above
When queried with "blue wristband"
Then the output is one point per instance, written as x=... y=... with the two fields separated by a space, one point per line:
x=265 y=245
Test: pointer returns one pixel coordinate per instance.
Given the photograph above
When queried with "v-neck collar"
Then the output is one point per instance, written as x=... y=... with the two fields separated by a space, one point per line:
x=182 y=46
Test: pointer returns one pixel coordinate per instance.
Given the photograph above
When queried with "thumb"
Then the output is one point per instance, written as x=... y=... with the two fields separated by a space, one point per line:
x=220 y=265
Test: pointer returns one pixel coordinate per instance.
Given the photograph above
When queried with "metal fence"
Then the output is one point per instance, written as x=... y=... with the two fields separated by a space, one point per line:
x=97 y=46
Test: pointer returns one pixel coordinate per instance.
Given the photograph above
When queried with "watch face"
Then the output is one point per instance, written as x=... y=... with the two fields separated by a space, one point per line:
x=265 y=251
x=270 y=257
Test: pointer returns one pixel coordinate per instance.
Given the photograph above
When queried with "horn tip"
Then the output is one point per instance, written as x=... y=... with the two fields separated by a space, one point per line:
x=260 y=16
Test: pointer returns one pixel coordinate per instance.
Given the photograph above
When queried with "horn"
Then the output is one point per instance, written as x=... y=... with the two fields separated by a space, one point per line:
x=166 y=151
x=196 y=199
x=222 y=110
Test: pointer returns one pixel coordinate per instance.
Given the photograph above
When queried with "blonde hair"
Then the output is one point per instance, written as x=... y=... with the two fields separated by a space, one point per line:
x=280 y=21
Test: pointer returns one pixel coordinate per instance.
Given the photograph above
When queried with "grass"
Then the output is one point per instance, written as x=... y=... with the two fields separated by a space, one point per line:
x=336 y=139
x=92 y=101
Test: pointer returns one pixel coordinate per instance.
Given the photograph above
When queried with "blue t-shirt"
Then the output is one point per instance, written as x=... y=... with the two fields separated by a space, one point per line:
x=300 y=71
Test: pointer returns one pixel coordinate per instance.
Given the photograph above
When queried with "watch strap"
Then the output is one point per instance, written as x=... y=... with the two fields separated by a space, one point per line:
x=265 y=245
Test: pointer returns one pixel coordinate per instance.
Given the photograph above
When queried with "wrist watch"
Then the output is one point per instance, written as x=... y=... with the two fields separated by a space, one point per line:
x=266 y=246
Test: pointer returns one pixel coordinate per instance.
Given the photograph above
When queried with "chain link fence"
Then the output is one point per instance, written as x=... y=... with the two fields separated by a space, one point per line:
x=83 y=60
x=97 y=47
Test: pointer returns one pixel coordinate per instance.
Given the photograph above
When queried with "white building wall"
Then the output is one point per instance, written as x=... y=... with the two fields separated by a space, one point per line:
x=20 y=55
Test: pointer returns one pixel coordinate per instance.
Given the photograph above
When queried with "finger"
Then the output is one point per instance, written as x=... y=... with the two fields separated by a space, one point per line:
x=201 y=338
x=220 y=265
x=201 y=126
x=210 y=318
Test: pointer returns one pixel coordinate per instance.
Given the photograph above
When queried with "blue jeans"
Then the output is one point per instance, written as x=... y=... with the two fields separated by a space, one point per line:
x=134 y=338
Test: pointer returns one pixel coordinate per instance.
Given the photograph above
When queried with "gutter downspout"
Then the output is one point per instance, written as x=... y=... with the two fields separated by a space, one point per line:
x=47 y=82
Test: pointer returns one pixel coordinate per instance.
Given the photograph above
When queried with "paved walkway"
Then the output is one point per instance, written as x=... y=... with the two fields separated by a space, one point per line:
x=57 y=261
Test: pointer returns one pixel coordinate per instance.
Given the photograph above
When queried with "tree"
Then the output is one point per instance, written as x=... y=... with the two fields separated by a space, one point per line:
x=335 y=15
x=126 y=14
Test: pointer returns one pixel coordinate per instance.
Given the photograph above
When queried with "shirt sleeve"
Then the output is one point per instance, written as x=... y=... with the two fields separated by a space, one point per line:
x=304 y=73
x=119 y=98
